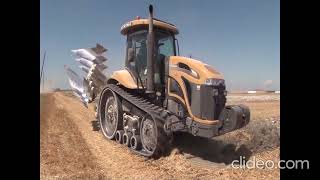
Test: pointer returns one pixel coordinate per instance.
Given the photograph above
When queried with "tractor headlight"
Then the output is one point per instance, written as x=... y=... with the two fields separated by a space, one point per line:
x=214 y=82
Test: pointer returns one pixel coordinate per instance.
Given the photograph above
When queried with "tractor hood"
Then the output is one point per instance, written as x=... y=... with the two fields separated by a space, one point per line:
x=201 y=72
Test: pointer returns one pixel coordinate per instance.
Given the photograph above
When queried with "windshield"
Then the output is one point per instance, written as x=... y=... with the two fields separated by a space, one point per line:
x=164 y=47
x=164 y=44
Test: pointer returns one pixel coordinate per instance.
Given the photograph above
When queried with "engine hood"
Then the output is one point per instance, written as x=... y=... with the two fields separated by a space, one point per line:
x=198 y=69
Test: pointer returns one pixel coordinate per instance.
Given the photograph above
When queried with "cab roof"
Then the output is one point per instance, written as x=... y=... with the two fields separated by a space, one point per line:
x=145 y=23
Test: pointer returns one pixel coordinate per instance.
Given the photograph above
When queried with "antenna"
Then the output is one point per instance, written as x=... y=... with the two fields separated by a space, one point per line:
x=43 y=82
x=43 y=60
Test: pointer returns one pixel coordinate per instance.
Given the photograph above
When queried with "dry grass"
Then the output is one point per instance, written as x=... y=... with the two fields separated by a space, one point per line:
x=71 y=150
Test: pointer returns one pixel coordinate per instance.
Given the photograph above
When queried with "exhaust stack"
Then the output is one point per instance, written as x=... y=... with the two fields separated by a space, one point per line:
x=150 y=54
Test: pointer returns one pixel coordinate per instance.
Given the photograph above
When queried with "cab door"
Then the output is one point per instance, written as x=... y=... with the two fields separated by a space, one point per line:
x=136 y=60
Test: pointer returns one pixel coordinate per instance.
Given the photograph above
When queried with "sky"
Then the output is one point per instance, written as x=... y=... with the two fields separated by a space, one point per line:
x=240 y=39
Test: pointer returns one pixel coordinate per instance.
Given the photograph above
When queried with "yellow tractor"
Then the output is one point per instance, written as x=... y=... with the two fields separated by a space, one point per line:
x=159 y=93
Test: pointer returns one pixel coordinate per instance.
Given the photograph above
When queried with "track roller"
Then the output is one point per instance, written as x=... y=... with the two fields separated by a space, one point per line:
x=135 y=142
x=119 y=136
x=126 y=138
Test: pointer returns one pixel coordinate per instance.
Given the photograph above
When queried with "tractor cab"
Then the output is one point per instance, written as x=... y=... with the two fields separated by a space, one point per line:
x=137 y=47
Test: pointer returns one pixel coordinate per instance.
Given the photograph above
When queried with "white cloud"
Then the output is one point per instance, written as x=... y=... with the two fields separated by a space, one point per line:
x=267 y=83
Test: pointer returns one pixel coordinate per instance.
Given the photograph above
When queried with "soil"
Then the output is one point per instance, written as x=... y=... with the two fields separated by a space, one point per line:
x=70 y=149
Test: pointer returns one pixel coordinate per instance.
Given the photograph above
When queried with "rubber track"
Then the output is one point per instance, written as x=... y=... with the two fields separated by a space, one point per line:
x=157 y=113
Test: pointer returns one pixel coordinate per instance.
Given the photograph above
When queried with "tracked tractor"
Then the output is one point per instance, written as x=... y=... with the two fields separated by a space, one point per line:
x=158 y=93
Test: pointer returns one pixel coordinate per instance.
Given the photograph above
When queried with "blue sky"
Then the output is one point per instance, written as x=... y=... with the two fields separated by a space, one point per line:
x=241 y=39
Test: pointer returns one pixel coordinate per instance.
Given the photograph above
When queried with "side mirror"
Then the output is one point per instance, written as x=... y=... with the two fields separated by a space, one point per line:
x=130 y=55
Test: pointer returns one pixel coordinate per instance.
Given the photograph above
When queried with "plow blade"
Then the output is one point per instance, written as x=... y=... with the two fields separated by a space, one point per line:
x=91 y=62
x=78 y=86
